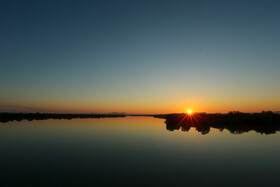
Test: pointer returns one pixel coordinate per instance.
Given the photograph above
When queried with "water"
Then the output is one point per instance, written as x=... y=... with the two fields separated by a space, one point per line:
x=133 y=151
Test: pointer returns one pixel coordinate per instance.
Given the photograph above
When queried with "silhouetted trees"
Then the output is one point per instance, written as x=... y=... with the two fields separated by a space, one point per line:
x=236 y=122
x=5 y=117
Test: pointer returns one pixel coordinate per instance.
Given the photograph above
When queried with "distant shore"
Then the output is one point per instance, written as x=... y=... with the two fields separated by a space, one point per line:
x=5 y=116
x=265 y=122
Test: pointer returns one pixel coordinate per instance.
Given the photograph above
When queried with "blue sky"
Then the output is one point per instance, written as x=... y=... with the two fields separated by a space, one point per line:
x=139 y=56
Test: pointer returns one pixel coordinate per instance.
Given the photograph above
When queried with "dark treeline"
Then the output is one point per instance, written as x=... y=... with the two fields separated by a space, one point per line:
x=5 y=117
x=235 y=122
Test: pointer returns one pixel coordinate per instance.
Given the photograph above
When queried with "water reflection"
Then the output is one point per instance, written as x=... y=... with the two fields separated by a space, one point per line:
x=133 y=151
x=235 y=122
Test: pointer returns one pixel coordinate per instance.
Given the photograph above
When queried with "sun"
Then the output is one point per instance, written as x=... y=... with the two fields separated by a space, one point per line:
x=189 y=111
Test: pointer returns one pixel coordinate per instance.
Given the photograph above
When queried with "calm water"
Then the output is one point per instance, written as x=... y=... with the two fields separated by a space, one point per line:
x=133 y=151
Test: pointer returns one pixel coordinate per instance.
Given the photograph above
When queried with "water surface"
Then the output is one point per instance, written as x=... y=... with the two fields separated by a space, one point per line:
x=133 y=151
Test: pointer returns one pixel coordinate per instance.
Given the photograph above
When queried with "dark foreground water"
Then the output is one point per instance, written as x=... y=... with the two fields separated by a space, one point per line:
x=133 y=151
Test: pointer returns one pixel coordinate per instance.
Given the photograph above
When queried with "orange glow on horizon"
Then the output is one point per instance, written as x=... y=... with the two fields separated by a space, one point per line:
x=139 y=107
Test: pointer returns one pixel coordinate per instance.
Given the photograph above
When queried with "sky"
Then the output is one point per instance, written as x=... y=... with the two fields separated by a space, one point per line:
x=139 y=56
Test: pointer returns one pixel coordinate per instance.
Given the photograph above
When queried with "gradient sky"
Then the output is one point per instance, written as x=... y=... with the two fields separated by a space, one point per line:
x=139 y=56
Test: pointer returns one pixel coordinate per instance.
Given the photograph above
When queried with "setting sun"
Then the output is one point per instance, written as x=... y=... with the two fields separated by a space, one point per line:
x=189 y=111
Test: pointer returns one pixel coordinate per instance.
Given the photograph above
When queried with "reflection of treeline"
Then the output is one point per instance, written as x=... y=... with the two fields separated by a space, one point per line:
x=5 y=117
x=235 y=122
